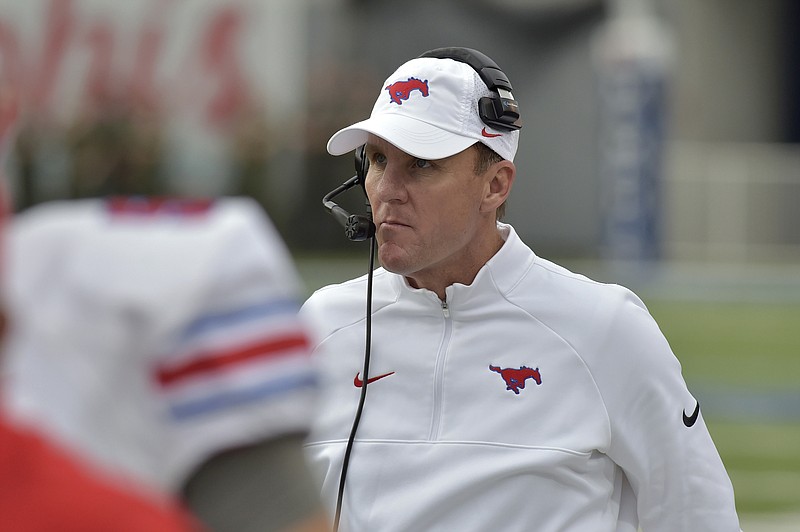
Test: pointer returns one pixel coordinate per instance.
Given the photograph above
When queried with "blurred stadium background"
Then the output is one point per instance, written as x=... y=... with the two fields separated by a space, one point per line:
x=660 y=151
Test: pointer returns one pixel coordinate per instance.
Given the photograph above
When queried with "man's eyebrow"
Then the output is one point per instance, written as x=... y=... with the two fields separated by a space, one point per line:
x=370 y=149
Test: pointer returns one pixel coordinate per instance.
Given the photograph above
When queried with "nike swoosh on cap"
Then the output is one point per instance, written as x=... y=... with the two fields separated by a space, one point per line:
x=490 y=135
x=359 y=383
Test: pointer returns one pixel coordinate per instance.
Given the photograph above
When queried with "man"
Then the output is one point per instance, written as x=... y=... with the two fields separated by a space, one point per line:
x=505 y=392
x=159 y=340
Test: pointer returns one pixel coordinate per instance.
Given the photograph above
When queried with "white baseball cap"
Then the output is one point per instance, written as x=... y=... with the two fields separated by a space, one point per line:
x=429 y=109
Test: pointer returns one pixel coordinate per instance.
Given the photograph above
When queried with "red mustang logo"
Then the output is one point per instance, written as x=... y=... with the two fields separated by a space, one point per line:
x=401 y=90
x=515 y=378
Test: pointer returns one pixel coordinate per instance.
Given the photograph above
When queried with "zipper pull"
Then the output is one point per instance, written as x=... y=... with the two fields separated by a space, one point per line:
x=445 y=309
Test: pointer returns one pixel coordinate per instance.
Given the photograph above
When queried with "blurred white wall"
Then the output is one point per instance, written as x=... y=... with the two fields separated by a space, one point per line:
x=732 y=179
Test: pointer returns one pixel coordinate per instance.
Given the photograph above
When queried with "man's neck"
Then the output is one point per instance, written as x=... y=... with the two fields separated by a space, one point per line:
x=463 y=271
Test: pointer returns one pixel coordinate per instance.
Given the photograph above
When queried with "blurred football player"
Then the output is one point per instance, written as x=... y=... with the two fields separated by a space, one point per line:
x=159 y=340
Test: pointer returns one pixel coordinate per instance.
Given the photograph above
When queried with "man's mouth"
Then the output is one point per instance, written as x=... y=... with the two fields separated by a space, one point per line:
x=393 y=223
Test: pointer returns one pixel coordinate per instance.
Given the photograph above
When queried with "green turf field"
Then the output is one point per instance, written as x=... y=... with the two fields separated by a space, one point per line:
x=741 y=358
x=749 y=351
x=754 y=345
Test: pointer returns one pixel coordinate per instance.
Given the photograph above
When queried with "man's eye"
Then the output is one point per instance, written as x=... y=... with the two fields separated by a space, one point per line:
x=379 y=158
x=422 y=163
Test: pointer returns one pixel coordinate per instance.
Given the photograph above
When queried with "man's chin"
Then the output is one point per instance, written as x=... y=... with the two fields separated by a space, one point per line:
x=394 y=259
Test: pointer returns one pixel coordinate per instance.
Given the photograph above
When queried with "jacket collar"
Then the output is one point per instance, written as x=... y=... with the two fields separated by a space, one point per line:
x=500 y=274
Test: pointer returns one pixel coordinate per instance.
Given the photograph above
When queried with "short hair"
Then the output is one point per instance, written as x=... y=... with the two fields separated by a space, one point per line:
x=486 y=157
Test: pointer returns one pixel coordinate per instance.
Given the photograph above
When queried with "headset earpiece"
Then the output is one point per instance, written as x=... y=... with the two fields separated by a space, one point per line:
x=362 y=164
x=501 y=110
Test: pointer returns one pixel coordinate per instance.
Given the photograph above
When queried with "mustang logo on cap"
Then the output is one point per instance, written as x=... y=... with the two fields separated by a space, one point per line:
x=401 y=90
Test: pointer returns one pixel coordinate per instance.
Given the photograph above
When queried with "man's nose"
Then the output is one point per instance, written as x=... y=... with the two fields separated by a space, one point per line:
x=391 y=185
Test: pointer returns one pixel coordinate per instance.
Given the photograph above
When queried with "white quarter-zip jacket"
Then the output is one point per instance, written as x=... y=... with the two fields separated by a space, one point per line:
x=534 y=399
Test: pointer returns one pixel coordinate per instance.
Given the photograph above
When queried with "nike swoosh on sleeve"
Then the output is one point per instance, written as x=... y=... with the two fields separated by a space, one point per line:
x=689 y=421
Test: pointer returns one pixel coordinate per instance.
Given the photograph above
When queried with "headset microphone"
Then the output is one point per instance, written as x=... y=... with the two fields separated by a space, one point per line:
x=357 y=227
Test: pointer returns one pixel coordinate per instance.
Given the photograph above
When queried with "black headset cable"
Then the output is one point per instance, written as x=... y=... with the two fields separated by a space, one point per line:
x=363 y=397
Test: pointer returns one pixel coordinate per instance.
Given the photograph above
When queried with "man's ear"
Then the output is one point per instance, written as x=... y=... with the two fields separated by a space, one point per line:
x=498 y=185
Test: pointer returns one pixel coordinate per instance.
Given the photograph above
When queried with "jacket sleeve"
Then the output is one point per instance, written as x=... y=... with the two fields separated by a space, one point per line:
x=658 y=436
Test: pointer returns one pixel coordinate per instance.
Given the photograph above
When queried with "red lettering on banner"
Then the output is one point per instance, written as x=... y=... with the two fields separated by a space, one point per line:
x=100 y=79
x=151 y=39
x=9 y=51
x=37 y=64
x=58 y=33
x=221 y=58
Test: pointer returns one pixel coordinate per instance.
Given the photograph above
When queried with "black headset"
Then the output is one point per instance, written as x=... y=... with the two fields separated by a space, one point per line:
x=499 y=111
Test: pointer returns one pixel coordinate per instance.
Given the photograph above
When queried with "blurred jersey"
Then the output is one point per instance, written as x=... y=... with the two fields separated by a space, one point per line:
x=149 y=335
